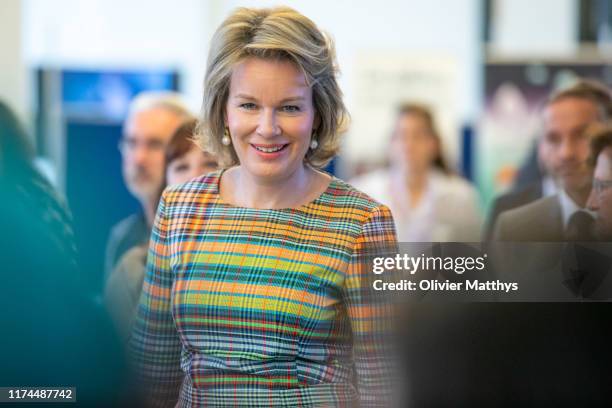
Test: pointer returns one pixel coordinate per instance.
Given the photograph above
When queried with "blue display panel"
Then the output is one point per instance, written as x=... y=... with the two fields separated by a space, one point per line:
x=107 y=94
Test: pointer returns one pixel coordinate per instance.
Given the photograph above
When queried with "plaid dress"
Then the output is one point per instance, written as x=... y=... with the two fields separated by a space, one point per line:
x=262 y=307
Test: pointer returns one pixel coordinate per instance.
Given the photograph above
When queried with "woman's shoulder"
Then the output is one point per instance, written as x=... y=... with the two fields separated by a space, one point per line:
x=359 y=213
x=343 y=195
x=202 y=188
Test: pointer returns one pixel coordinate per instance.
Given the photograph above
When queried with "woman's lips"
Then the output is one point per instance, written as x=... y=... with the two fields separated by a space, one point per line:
x=269 y=151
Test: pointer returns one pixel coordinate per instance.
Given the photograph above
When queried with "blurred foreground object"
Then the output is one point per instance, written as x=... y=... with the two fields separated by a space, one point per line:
x=54 y=334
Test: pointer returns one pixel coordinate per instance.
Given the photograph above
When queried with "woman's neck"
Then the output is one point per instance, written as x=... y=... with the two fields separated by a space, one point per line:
x=414 y=183
x=301 y=187
x=413 y=180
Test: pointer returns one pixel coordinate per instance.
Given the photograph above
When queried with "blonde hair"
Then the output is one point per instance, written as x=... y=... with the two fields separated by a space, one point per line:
x=277 y=33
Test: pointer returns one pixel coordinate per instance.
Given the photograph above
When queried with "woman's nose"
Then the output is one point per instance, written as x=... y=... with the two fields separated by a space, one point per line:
x=267 y=125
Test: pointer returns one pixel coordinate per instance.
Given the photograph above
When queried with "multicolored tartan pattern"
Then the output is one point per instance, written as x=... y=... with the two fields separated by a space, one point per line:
x=254 y=307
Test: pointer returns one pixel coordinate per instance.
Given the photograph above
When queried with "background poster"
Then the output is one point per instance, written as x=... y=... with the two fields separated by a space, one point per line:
x=385 y=80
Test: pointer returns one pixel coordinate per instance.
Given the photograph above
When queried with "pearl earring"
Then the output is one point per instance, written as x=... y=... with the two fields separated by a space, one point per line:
x=225 y=140
x=314 y=144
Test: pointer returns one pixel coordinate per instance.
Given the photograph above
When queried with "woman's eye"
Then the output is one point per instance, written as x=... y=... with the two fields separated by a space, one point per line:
x=291 y=108
x=248 y=106
x=181 y=167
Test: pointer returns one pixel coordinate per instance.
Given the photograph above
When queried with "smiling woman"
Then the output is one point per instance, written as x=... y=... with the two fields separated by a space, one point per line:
x=272 y=121
x=258 y=289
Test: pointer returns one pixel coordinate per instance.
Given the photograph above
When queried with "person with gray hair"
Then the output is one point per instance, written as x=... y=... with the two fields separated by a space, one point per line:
x=151 y=121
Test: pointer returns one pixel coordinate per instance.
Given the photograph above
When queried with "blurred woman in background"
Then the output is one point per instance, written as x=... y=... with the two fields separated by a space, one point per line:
x=184 y=161
x=429 y=203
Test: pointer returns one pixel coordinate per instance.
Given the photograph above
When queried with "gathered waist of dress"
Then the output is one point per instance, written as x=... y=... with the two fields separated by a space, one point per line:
x=206 y=371
x=250 y=391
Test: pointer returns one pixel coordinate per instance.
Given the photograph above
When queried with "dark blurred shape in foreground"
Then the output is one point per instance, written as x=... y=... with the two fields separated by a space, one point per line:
x=508 y=354
x=53 y=333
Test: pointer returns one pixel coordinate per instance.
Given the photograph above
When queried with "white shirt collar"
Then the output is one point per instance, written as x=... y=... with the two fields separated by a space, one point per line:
x=569 y=207
x=549 y=187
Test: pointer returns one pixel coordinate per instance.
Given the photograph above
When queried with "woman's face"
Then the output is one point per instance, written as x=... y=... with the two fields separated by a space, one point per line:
x=270 y=116
x=192 y=164
x=413 y=147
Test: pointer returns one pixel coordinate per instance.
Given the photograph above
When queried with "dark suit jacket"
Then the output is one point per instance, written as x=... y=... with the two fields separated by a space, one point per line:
x=128 y=233
x=510 y=200
x=539 y=221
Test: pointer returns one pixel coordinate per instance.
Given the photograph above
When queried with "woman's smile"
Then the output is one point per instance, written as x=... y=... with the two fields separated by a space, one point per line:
x=270 y=151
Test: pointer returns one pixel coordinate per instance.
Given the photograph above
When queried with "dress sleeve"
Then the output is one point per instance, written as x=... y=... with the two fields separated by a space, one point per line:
x=155 y=344
x=370 y=311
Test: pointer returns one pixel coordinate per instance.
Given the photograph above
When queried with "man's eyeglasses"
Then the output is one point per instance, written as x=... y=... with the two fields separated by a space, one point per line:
x=601 y=185
x=130 y=145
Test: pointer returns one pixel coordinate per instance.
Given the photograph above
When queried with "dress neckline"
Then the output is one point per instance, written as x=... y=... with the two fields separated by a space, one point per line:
x=217 y=189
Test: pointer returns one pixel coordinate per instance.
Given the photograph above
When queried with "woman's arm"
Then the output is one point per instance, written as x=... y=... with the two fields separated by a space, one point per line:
x=370 y=311
x=155 y=344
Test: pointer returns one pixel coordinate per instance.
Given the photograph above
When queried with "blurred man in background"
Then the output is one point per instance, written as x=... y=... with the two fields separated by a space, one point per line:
x=562 y=216
x=600 y=200
x=184 y=160
x=534 y=181
x=152 y=119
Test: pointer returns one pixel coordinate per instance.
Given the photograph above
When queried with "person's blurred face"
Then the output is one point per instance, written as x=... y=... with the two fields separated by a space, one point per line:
x=413 y=147
x=145 y=137
x=190 y=165
x=600 y=199
x=545 y=154
x=565 y=143
x=270 y=116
